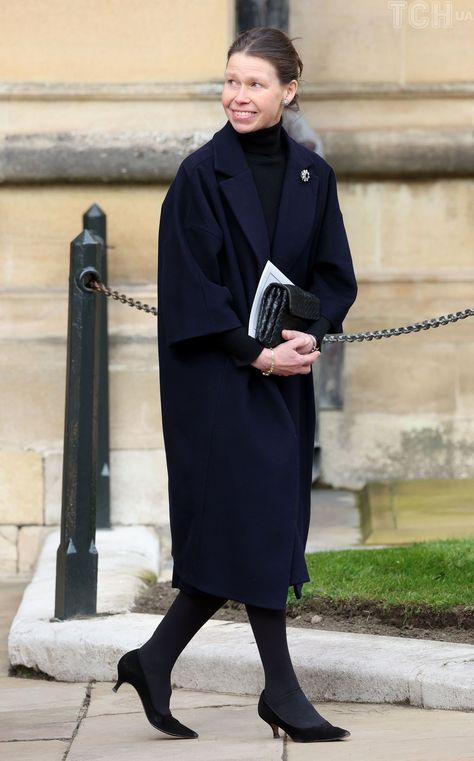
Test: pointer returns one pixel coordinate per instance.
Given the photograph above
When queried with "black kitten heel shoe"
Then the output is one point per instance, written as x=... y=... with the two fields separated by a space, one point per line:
x=130 y=671
x=322 y=733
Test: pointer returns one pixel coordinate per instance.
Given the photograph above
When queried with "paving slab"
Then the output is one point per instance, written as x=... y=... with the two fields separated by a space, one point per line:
x=335 y=520
x=126 y=701
x=116 y=727
x=230 y=729
x=226 y=734
x=393 y=733
x=48 y=750
x=11 y=594
x=35 y=709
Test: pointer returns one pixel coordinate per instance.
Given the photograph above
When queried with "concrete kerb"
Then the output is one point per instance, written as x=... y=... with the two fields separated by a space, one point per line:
x=223 y=656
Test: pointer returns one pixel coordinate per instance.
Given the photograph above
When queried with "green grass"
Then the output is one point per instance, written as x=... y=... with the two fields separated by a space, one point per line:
x=438 y=574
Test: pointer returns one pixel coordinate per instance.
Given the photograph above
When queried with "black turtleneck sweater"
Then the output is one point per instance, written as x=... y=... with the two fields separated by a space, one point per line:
x=265 y=153
x=266 y=157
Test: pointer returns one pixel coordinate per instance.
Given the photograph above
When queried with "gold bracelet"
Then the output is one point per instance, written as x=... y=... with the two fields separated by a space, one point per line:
x=272 y=366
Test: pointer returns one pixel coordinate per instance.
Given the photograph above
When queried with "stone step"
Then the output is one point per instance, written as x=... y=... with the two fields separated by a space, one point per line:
x=223 y=657
x=398 y=512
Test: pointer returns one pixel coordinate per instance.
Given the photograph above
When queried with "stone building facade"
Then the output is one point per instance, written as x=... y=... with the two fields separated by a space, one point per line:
x=100 y=101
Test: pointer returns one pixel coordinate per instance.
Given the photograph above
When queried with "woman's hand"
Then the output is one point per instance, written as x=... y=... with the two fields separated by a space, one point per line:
x=307 y=342
x=293 y=357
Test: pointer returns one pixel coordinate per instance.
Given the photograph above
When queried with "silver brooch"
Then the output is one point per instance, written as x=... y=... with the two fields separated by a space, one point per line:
x=304 y=175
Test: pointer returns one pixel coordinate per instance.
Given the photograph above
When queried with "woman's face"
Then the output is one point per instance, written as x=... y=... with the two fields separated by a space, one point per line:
x=252 y=93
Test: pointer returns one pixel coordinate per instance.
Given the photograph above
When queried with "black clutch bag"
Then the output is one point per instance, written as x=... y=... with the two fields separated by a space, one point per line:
x=284 y=307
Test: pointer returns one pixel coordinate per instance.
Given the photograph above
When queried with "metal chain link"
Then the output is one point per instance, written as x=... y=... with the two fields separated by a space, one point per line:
x=99 y=287
x=369 y=335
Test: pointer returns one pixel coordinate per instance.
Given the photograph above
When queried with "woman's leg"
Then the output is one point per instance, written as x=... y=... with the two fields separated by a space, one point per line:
x=158 y=655
x=282 y=690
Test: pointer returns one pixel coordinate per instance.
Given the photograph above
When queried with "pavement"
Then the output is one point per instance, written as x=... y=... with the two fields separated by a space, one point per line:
x=335 y=521
x=84 y=720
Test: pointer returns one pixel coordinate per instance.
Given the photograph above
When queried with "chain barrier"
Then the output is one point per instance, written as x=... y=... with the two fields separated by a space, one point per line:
x=96 y=285
x=369 y=335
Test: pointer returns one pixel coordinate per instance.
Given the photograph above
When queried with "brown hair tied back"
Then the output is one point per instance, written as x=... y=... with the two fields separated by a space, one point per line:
x=274 y=46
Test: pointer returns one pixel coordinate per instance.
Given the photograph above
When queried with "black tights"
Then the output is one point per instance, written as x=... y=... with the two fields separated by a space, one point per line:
x=158 y=655
x=186 y=616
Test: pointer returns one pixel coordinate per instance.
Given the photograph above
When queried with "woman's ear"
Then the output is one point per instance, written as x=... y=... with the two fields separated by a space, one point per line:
x=291 y=90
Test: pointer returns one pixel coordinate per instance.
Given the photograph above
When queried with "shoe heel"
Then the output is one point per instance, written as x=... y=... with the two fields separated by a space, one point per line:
x=268 y=717
x=275 y=729
x=116 y=686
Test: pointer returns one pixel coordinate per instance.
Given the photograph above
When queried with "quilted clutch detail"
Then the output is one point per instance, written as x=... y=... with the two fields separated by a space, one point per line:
x=284 y=307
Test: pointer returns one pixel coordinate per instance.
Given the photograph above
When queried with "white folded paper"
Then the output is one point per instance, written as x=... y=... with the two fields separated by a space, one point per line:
x=270 y=274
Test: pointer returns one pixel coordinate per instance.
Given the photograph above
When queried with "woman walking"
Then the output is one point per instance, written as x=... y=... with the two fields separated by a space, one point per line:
x=238 y=419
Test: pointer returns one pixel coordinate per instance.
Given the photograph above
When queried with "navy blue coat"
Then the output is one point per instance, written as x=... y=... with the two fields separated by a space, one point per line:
x=239 y=445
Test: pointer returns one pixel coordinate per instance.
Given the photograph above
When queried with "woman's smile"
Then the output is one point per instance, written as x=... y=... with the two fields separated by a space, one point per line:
x=238 y=114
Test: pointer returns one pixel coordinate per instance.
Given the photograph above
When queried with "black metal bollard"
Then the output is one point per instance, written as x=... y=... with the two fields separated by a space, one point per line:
x=76 y=560
x=94 y=219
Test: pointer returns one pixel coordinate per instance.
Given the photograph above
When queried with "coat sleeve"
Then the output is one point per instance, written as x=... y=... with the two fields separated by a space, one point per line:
x=333 y=278
x=319 y=329
x=192 y=301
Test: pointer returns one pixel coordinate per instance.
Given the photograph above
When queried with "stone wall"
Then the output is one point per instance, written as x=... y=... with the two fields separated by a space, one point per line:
x=114 y=40
x=100 y=105
x=390 y=85
x=79 y=83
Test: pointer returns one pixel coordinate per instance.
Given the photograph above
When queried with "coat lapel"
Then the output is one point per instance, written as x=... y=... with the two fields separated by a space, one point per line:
x=297 y=203
x=297 y=208
x=240 y=191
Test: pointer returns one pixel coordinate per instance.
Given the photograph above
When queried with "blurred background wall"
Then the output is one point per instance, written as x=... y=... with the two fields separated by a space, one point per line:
x=100 y=101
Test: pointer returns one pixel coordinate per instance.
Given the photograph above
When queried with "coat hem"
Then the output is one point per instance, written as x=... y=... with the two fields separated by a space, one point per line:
x=178 y=582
